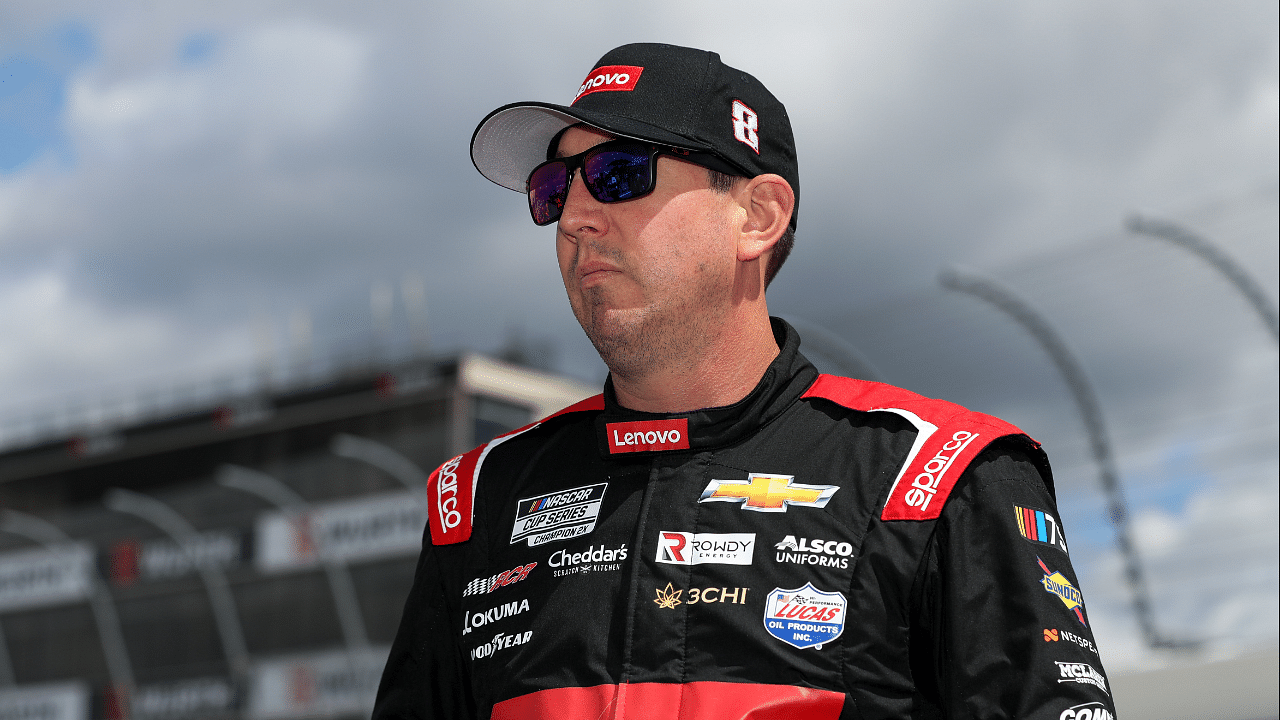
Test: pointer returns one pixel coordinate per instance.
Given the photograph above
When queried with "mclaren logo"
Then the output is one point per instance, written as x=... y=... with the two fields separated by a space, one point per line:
x=768 y=493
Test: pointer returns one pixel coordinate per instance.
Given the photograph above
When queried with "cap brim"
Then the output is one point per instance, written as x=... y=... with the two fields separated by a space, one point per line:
x=512 y=140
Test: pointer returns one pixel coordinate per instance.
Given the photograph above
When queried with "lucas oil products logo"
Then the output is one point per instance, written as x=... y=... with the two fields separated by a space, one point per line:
x=762 y=492
x=1056 y=583
x=806 y=551
x=473 y=620
x=648 y=435
x=484 y=586
x=1087 y=711
x=805 y=617
x=560 y=515
x=1075 y=672
x=593 y=559
x=682 y=548
x=1039 y=526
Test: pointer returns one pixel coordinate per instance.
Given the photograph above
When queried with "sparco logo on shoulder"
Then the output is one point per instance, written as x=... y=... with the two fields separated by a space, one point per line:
x=448 y=485
x=926 y=483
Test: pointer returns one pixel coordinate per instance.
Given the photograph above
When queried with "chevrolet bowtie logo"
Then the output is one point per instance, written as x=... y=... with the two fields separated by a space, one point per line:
x=768 y=493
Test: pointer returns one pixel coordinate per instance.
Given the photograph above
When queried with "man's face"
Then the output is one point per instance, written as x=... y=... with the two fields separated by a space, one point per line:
x=649 y=279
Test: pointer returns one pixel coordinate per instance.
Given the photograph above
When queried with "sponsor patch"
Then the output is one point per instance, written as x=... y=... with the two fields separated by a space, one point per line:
x=669 y=597
x=745 y=126
x=501 y=641
x=609 y=77
x=1057 y=584
x=1077 y=672
x=560 y=515
x=809 y=551
x=592 y=559
x=1087 y=711
x=484 y=586
x=1056 y=635
x=1040 y=526
x=682 y=548
x=805 y=617
x=762 y=492
x=648 y=435
x=473 y=620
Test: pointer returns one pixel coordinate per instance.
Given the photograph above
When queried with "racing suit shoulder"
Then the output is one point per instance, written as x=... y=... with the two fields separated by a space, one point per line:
x=451 y=488
x=948 y=438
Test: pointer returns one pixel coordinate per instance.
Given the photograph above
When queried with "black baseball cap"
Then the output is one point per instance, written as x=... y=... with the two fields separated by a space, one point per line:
x=664 y=94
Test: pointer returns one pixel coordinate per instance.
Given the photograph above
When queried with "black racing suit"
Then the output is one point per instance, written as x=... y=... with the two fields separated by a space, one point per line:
x=824 y=548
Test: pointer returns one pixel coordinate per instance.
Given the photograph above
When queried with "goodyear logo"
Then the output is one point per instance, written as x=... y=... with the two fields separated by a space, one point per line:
x=1057 y=584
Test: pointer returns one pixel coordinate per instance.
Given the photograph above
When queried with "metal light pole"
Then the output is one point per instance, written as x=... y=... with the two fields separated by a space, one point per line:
x=292 y=504
x=185 y=535
x=104 y=610
x=1207 y=251
x=384 y=458
x=1091 y=413
x=849 y=361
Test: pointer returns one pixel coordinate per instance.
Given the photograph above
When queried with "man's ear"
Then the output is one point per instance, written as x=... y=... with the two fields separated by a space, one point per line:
x=768 y=201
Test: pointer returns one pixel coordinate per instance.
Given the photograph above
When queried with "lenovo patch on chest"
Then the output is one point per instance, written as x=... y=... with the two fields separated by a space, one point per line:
x=648 y=435
x=805 y=617
x=561 y=515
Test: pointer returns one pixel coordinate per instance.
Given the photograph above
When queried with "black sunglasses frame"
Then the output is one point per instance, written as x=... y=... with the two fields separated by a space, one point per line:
x=574 y=163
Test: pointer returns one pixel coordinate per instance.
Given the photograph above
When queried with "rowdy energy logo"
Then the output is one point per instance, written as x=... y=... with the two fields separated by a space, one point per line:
x=805 y=617
x=682 y=548
x=768 y=493
x=1057 y=584
x=1039 y=526
x=559 y=515
x=1073 y=672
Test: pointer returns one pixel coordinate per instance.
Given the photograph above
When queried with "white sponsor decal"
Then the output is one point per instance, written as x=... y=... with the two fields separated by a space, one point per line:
x=501 y=641
x=483 y=586
x=45 y=576
x=448 y=485
x=201 y=696
x=1076 y=672
x=925 y=486
x=54 y=701
x=1087 y=711
x=322 y=685
x=560 y=515
x=473 y=620
x=164 y=559
x=682 y=548
x=370 y=527
x=745 y=124
x=807 y=551
x=592 y=559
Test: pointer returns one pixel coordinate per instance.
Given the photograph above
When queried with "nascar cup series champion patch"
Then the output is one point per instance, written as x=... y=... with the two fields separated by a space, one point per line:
x=805 y=617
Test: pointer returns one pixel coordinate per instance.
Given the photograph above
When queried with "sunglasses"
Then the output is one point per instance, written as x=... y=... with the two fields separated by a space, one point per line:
x=612 y=172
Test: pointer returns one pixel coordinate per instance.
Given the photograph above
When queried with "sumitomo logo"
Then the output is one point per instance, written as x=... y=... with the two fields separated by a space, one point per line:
x=448 y=485
x=807 y=551
x=926 y=483
x=560 y=515
x=1087 y=711
x=682 y=548
x=1076 y=672
x=610 y=77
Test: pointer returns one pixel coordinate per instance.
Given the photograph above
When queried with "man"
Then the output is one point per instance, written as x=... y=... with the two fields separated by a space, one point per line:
x=724 y=533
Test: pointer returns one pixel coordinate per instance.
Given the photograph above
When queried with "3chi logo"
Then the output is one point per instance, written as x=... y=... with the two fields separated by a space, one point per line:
x=745 y=124
x=669 y=598
x=768 y=493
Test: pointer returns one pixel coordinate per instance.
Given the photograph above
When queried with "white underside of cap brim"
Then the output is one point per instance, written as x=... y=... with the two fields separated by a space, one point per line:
x=514 y=141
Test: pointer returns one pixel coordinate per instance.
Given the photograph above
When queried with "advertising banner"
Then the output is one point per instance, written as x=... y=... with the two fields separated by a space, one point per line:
x=164 y=559
x=316 y=686
x=184 y=699
x=54 y=701
x=362 y=529
x=45 y=576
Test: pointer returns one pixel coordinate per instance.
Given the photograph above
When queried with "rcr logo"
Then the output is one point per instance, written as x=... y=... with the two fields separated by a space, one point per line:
x=925 y=486
x=745 y=125
x=448 y=484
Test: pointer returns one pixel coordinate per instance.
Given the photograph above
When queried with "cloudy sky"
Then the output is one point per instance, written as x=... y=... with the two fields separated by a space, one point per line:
x=187 y=188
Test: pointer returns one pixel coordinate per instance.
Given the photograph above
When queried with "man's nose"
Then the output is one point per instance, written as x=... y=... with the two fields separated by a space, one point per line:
x=582 y=213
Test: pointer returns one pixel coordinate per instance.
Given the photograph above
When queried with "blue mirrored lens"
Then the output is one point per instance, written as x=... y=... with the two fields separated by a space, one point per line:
x=618 y=173
x=548 y=189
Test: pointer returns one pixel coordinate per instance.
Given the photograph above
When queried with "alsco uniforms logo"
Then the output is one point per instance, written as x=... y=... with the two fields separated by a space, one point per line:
x=1057 y=584
x=762 y=492
x=805 y=617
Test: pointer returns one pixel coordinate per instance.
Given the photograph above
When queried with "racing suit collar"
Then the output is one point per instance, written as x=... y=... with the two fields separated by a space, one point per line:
x=785 y=380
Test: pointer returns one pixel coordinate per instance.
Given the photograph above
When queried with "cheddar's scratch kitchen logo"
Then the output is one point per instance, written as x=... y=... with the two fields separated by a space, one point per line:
x=560 y=515
x=763 y=492
x=1056 y=583
x=593 y=559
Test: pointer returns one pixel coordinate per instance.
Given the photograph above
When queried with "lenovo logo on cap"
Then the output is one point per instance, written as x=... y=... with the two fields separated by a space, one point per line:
x=647 y=435
x=610 y=77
